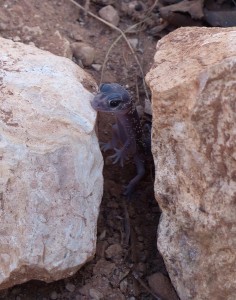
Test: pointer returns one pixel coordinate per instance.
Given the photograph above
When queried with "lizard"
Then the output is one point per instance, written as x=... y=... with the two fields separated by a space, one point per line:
x=126 y=132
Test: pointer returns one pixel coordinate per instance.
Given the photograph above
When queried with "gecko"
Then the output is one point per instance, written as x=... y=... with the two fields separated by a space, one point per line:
x=126 y=132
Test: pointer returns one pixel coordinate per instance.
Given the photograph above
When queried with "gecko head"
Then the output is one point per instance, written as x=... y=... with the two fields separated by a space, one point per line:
x=112 y=97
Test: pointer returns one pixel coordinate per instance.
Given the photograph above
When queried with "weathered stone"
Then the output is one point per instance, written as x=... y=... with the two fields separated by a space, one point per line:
x=104 y=267
x=193 y=83
x=140 y=110
x=83 y=52
x=162 y=286
x=95 y=294
x=54 y=295
x=97 y=67
x=114 y=252
x=70 y=287
x=133 y=42
x=124 y=285
x=109 y=14
x=16 y=39
x=148 y=107
x=50 y=166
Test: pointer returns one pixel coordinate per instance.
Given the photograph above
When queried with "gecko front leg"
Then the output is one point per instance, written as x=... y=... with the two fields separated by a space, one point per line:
x=122 y=154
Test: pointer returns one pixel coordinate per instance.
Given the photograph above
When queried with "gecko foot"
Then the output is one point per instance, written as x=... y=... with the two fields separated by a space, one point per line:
x=105 y=146
x=118 y=157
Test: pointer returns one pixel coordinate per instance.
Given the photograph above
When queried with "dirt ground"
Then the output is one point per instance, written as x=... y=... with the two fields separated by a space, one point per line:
x=120 y=270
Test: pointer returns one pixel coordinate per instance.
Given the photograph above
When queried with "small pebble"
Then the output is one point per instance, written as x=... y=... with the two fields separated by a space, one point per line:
x=83 y=52
x=124 y=286
x=140 y=110
x=76 y=35
x=114 y=251
x=133 y=42
x=162 y=286
x=104 y=267
x=96 y=295
x=70 y=287
x=108 y=13
x=53 y=295
x=148 y=107
x=3 y=26
x=16 y=39
x=102 y=235
x=97 y=67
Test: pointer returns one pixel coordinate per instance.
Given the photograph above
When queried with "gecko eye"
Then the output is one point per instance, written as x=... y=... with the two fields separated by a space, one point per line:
x=114 y=103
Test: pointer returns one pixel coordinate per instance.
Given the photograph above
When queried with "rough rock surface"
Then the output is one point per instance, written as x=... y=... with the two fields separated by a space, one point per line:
x=50 y=166
x=110 y=14
x=83 y=52
x=193 y=83
x=162 y=286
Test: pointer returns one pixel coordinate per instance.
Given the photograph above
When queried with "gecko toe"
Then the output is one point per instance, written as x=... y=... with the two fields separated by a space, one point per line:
x=117 y=157
x=105 y=146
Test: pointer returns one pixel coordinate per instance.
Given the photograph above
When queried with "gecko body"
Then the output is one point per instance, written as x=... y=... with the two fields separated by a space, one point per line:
x=127 y=132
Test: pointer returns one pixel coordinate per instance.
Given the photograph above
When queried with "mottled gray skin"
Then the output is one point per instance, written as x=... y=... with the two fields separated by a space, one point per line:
x=127 y=132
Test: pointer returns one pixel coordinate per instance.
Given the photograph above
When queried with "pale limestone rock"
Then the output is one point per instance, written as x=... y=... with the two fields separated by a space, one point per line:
x=50 y=166
x=193 y=83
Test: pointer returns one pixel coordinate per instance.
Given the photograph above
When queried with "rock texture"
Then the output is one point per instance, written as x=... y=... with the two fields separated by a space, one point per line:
x=110 y=14
x=162 y=286
x=83 y=52
x=50 y=166
x=193 y=83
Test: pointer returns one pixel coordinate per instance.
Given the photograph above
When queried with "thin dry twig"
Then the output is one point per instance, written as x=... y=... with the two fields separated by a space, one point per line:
x=114 y=43
x=137 y=90
x=122 y=35
x=152 y=7
x=127 y=223
x=129 y=30
x=124 y=58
